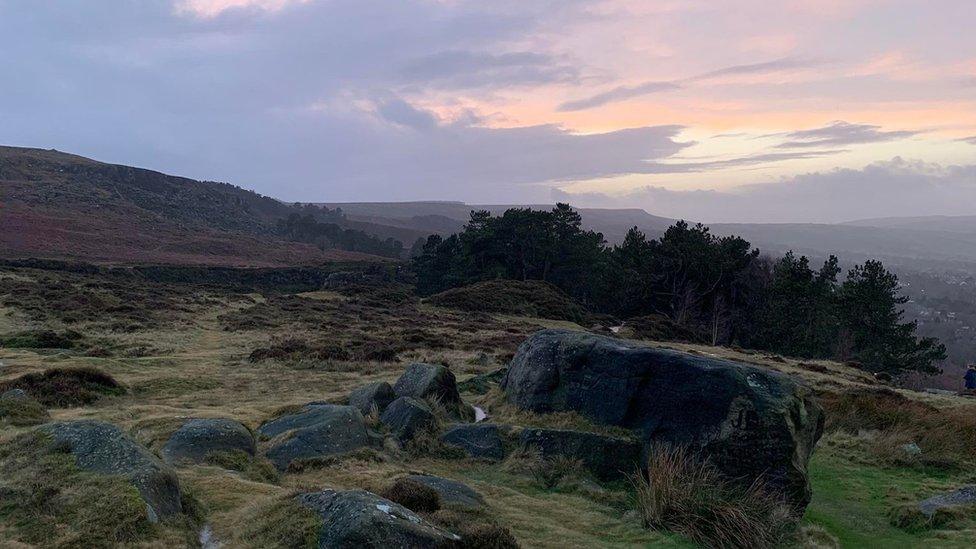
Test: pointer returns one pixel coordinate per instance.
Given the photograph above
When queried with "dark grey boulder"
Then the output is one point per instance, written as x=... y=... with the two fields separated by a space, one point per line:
x=453 y=494
x=359 y=519
x=103 y=448
x=607 y=457
x=957 y=498
x=318 y=430
x=197 y=438
x=379 y=394
x=749 y=421
x=428 y=381
x=406 y=417
x=482 y=440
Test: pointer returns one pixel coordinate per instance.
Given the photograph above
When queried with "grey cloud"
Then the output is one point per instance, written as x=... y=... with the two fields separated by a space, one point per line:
x=842 y=133
x=885 y=189
x=622 y=93
x=618 y=94
x=970 y=140
x=465 y=69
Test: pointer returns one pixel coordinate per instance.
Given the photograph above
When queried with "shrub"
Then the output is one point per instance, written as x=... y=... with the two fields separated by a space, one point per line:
x=65 y=387
x=42 y=339
x=413 y=495
x=475 y=529
x=524 y=298
x=682 y=493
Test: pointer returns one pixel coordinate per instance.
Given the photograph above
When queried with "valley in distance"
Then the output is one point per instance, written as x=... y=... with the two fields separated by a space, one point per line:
x=190 y=364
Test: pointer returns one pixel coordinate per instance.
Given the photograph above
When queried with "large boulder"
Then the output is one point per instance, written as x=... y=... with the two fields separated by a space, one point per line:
x=484 y=440
x=103 y=448
x=749 y=421
x=379 y=394
x=197 y=438
x=607 y=457
x=318 y=430
x=453 y=494
x=428 y=381
x=358 y=519
x=407 y=417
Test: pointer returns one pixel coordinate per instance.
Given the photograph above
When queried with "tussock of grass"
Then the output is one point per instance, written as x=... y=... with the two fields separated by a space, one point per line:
x=946 y=437
x=413 y=495
x=681 y=493
x=909 y=518
x=363 y=455
x=66 y=387
x=255 y=468
x=281 y=522
x=21 y=412
x=477 y=531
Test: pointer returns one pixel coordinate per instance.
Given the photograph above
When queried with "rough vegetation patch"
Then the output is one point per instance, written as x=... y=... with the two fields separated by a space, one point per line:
x=65 y=387
x=531 y=298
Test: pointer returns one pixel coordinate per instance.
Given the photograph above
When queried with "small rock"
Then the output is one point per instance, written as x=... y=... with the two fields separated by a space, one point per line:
x=379 y=394
x=484 y=440
x=14 y=394
x=911 y=449
x=358 y=519
x=963 y=496
x=428 y=381
x=482 y=383
x=198 y=437
x=103 y=448
x=452 y=493
x=408 y=416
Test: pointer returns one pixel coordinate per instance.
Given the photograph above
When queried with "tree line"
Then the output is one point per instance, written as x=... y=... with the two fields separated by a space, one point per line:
x=320 y=227
x=717 y=287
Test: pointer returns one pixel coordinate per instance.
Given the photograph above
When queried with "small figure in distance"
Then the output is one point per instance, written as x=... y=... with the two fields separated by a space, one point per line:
x=970 y=378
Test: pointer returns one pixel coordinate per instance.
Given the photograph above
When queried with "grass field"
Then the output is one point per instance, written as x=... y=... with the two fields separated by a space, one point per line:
x=189 y=356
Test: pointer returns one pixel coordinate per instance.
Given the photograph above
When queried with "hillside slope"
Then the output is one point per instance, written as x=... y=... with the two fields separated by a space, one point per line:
x=58 y=205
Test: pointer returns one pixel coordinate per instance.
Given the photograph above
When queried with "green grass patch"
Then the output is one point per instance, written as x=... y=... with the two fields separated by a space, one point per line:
x=20 y=412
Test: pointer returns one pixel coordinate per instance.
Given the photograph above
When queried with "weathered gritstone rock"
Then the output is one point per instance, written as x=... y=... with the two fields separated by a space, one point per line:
x=428 y=381
x=482 y=383
x=379 y=394
x=957 y=498
x=358 y=519
x=453 y=494
x=102 y=448
x=748 y=421
x=607 y=457
x=197 y=438
x=407 y=417
x=319 y=430
x=484 y=440
x=14 y=394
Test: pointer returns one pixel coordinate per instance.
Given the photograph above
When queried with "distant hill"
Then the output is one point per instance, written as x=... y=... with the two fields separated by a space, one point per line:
x=448 y=217
x=58 y=205
x=917 y=243
x=945 y=223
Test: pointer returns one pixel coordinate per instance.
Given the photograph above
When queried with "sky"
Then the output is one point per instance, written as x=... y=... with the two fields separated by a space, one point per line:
x=712 y=110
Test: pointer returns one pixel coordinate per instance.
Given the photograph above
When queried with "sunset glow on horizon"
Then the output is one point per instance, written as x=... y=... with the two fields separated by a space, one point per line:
x=511 y=101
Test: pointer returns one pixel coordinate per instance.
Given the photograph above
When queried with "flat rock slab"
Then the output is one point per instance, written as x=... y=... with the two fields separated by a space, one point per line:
x=197 y=438
x=103 y=448
x=453 y=494
x=607 y=457
x=319 y=430
x=484 y=440
x=957 y=498
x=750 y=422
x=359 y=519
